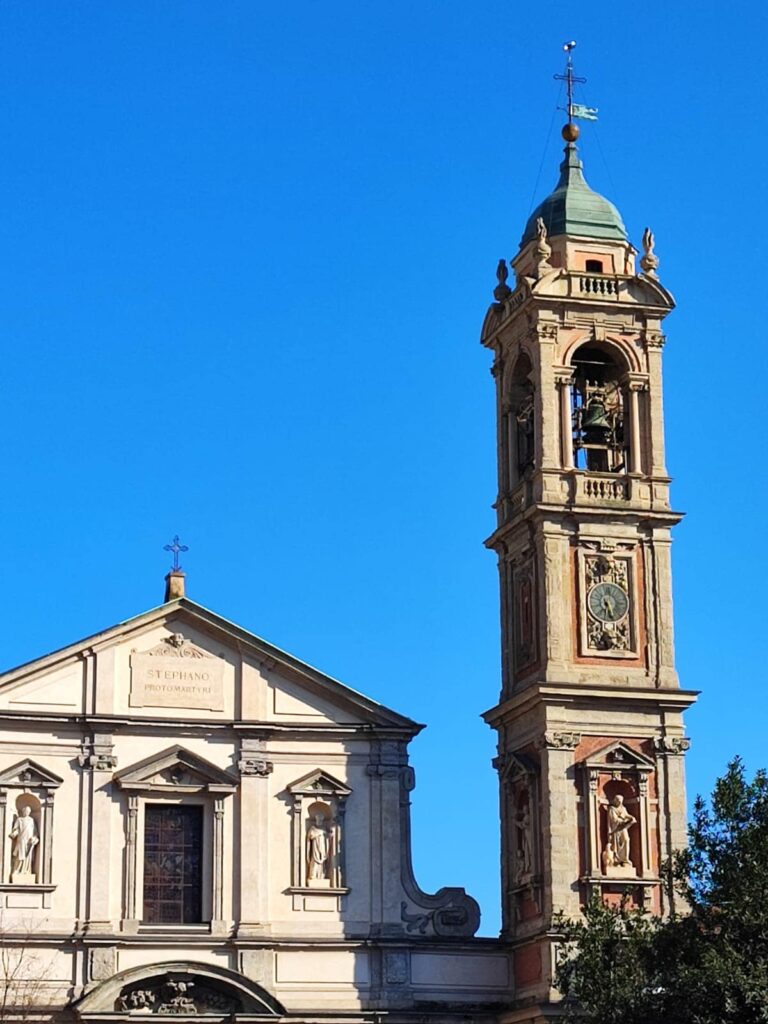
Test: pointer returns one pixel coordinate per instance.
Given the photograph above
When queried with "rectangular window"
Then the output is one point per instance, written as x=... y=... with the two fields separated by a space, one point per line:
x=173 y=864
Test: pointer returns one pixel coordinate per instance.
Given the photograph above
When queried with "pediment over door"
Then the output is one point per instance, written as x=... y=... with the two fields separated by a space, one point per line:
x=175 y=769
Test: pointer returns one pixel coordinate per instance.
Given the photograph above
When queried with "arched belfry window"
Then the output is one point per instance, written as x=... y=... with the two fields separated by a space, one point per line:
x=598 y=415
x=519 y=433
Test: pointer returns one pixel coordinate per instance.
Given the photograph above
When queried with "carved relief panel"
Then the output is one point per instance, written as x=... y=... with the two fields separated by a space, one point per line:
x=607 y=601
x=524 y=617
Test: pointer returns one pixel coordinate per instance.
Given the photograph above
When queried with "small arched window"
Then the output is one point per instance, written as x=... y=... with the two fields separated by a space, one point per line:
x=598 y=411
x=594 y=266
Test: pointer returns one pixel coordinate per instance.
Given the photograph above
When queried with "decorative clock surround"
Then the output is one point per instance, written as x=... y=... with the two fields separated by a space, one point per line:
x=607 y=605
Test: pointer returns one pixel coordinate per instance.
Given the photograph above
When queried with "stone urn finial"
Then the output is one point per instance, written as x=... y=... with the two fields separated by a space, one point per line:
x=502 y=289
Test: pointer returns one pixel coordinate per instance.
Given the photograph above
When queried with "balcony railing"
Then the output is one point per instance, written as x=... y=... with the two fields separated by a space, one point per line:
x=598 y=285
x=602 y=488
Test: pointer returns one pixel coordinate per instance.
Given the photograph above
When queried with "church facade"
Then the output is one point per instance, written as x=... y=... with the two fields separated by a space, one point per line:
x=195 y=823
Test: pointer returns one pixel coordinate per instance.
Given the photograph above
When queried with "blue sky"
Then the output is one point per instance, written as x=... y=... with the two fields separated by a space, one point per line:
x=245 y=252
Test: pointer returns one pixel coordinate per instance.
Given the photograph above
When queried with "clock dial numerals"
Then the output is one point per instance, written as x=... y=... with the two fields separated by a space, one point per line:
x=608 y=602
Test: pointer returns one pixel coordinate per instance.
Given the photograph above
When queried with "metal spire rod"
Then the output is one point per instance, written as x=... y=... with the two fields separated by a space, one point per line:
x=569 y=78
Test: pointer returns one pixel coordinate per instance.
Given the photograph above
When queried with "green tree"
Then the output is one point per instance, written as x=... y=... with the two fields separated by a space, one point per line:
x=708 y=966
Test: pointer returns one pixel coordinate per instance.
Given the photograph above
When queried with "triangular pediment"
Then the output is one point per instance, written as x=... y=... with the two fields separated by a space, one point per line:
x=318 y=783
x=518 y=766
x=619 y=755
x=175 y=769
x=199 y=642
x=29 y=775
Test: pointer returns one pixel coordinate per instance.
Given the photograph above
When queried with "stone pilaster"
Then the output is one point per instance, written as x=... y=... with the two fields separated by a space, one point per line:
x=254 y=797
x=98 y=763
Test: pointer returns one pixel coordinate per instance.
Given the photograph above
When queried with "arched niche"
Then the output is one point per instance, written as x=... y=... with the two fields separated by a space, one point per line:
x=618 y=771
x=27 y=792
x=518 y=440
x=25 y=838
x=620 y=799
x=178 y=988
x=318 y=806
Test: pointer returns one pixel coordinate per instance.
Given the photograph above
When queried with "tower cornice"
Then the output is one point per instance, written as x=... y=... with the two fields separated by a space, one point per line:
x=595 y=697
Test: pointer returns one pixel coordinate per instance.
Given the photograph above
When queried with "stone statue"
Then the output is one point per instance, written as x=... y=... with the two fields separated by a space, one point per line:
x=25 y=839
x=524 y=842
x=619 y=823
x=525 y=442
x=318 y=849
x=543 y=248
x=650 y=260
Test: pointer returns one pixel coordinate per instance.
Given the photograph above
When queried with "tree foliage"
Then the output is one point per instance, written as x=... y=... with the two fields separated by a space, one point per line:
x=707 y=966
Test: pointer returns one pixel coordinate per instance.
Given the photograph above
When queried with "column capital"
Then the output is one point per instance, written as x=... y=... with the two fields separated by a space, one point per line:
x=560 y=740
x=635 y=381
x=96 y=754
x=675 y=745
x=654 y=339
x=255 y=766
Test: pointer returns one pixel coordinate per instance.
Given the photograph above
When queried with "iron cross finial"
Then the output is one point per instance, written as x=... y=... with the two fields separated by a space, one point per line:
x=176 y=548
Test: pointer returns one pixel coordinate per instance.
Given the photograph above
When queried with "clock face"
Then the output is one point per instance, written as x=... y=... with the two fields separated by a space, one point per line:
x=608 y=602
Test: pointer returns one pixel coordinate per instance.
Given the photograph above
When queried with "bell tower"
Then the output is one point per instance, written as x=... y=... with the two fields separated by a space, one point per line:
x=589 y=721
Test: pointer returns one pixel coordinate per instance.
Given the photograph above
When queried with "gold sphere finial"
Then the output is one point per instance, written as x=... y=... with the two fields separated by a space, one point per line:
x=570 y=132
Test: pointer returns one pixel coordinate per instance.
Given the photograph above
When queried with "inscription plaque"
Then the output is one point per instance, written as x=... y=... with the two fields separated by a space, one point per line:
x=176 y=674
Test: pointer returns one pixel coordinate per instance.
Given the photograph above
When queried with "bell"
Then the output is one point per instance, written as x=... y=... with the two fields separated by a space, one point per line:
x=595 y=423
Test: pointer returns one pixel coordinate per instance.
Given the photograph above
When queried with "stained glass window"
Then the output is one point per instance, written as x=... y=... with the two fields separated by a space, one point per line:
x=173 y=860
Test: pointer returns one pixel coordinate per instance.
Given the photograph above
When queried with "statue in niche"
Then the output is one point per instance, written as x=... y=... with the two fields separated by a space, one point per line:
x=619 y=823
x=318 y=850
x=525 y=443
x=25 y=839
x=524 y=841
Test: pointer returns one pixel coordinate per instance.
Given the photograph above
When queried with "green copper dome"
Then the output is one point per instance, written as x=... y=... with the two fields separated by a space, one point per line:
x=574 y=209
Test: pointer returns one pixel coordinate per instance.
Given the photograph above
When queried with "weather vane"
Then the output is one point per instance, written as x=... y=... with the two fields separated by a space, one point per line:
x=574 y=110
x=176 y=549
